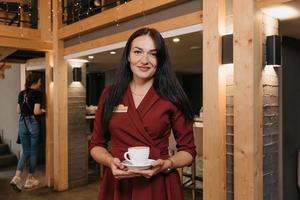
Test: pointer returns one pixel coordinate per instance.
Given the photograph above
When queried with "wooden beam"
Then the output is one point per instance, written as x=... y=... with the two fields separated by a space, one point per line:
x=2 y=75
x=3 y=67
x=248 y=121
x=266 y=3
x=14 y=61
x=60 y=105
x=35 y=45
x=6 y=52
x=214 y=84
x=45 y=19
x=19 y=32
x=49 y=121
x=177 y=22
x=120 y=13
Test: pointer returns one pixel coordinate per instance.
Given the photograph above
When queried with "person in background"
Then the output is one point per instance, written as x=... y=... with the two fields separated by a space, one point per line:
x=141 y=108
x=29 y=108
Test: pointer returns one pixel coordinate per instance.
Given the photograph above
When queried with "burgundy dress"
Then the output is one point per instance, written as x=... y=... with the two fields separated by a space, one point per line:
x=148 y=125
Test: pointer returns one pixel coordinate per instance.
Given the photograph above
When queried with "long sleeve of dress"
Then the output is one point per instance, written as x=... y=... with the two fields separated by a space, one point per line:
x=183 y=133
x=97 y=135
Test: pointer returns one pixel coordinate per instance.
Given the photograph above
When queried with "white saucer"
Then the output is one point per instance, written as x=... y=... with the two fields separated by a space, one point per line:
x=137 y=167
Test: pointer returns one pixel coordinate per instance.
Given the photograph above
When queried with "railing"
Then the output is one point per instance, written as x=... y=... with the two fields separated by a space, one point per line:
x=75 y=10
x=19 y=13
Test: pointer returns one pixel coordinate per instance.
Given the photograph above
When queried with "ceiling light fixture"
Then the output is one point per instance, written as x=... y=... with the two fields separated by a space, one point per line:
x=176 y=39
x=282 y=12
x=77 y=62
x=90 y=57
x=112 y=52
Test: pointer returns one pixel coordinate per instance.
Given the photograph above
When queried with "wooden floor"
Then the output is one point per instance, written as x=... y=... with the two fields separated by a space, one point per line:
x=89 y=191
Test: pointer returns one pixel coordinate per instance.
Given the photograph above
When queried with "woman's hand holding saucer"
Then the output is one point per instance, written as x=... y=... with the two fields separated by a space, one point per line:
x=157 y=167
x=119 y=171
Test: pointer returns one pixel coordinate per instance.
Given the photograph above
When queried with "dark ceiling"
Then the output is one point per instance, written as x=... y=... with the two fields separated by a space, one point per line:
x=21 y=56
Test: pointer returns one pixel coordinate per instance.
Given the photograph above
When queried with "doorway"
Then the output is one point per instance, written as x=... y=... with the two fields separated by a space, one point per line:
x=290 y=117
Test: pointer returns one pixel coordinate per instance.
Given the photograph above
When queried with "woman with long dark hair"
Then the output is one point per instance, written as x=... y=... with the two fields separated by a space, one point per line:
x=141 y=108
x=29 y=107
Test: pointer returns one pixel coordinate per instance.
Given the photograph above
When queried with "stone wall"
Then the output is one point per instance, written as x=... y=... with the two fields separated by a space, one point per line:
x=270 y=84
x=270 y=79
x=229 y=133
x=77 y=138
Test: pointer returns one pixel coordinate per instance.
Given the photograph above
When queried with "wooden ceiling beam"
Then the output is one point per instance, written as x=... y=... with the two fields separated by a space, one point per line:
x=34 y=45
x=120 y=13
x=166 y=25
x=2 y=75
x=19 y=32
x=3 y=67
x=19 y=61
x=6 y=52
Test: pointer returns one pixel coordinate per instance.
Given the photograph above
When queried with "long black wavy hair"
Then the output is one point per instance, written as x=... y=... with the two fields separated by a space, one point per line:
x=165 y=81
x=31 y=79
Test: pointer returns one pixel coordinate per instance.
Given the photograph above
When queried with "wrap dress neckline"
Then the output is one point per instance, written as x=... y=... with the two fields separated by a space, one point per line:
x=136 y=115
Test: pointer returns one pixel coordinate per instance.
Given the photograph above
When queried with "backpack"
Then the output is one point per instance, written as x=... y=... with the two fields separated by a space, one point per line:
x=25 y=106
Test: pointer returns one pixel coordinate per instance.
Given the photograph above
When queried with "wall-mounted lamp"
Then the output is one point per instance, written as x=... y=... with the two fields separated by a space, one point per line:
x=273 y=50
x=77 y=74
x=227 y=49
x=51 y=74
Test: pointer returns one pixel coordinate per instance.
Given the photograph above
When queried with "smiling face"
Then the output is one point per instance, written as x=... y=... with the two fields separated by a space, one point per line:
x=142 y=58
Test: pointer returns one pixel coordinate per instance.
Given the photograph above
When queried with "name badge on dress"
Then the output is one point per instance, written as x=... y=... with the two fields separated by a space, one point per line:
x=120 y=109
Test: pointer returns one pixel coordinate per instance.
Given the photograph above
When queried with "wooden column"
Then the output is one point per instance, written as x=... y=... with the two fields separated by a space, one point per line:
x=247 y=22
x=60 y=105
x=214 y=168
x=44 y=23
x=49 y=120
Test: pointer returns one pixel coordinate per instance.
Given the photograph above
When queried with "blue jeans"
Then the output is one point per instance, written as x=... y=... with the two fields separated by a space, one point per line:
x=29 y=135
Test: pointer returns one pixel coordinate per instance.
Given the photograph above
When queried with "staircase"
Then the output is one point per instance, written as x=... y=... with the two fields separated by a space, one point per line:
x=6 y=157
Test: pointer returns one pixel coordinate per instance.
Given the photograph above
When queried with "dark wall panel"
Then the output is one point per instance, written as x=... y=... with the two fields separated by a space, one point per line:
x=291 y=115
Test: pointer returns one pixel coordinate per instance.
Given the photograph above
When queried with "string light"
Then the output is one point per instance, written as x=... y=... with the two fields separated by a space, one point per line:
x=80 y=9
x=49 y=16
x=19 y=20
x=30 y=11
x=117 y=16
x=6 y=20
x=73 y=7
x=6 y=5
x=88 y=8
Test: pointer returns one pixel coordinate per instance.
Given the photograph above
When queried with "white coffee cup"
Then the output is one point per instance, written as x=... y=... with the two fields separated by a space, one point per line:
x=137 y=155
